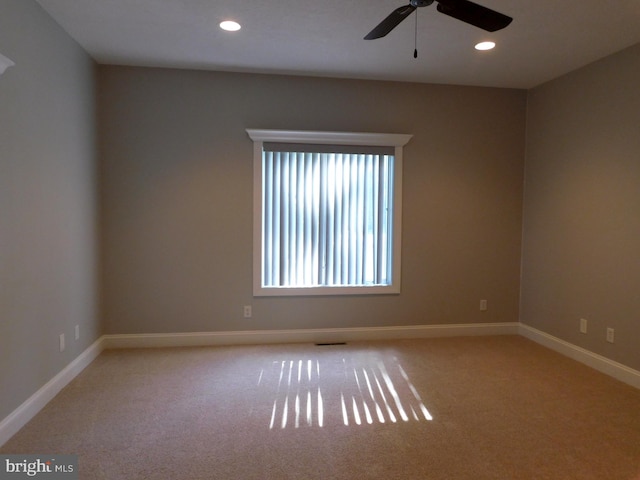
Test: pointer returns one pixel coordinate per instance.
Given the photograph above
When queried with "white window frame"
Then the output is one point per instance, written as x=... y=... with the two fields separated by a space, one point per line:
x=260 y=136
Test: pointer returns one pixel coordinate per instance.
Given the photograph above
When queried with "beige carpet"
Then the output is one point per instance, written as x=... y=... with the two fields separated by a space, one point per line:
x=452 y=408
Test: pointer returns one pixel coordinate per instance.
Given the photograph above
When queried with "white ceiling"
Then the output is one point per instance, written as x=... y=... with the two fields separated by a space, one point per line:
x=546 y=39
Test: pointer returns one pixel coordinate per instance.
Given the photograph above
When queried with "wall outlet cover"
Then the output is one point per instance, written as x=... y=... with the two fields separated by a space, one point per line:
x=610 y=335
x=583 y=325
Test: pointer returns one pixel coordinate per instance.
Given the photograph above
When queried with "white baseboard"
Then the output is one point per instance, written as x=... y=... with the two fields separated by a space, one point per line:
x=323 y=335
x=598 y=362
x=25 y=412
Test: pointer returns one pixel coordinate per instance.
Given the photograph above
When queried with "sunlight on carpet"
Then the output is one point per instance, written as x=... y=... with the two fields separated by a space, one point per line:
x=370 y=389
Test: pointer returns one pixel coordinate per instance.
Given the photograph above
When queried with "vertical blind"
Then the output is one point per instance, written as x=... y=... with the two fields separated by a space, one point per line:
x=327 y=216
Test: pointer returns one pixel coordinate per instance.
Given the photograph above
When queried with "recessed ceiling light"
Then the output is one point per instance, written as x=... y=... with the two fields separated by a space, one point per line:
x=230 y=26
x=485 y=46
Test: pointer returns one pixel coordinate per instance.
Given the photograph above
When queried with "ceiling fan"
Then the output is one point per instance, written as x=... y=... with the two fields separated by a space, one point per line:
x=464 y=10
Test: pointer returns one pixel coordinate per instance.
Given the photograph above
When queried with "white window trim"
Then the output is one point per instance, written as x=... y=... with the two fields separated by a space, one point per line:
x=332 y=138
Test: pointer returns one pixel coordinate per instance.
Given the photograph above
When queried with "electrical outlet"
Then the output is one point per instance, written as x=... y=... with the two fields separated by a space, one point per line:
x=247 y=311
x=77 y=332
x=583 y=325
x=62 y=345
x=610 y=335
x=483 y=305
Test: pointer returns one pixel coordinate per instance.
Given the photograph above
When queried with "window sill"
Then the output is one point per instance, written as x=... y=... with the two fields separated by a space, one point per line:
x=325 y=291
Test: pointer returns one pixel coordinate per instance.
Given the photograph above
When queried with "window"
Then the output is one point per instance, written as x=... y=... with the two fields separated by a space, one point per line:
x=327 y=212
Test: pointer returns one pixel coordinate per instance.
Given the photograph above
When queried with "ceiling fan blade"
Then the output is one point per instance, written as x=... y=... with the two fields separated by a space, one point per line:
x=391 y=22
x=474 y=14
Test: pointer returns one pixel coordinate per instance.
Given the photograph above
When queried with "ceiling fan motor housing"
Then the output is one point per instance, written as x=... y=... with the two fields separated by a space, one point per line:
x=421 y=3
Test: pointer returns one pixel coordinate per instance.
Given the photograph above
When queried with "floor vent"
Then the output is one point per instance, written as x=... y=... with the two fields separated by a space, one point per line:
x=330 y=344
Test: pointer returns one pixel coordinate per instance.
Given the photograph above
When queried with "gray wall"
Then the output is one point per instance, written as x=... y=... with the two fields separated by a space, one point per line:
x=47 y=201
x=581 y=256
x=176 y=192
x=176 y=208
